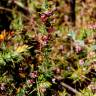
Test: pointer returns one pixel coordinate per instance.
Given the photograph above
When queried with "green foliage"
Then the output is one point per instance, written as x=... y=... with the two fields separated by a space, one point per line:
x=39 y=52
x=17 y=23
x=9 y=56
x=22 y=92
x=87 y=92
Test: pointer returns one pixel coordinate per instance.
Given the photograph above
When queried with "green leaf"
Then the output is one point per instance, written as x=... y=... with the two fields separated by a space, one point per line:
x=45 y=84
x=22 y=92
x=2 y=62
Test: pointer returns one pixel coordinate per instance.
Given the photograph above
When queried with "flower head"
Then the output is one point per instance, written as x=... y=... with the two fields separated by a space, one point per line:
x=81 y=61
x=92 y=26
x=78 y=48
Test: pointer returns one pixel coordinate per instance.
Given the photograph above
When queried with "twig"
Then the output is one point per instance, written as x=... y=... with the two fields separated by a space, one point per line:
x=6 y=9
x=71 y=89
x=10 y=10
x=22 y=6
x=32 y=91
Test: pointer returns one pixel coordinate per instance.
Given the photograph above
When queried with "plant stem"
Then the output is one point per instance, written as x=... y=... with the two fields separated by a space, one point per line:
x=38 y=92
x=70 y=88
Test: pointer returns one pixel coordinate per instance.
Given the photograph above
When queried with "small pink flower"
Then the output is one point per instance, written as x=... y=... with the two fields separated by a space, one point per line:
x=30 y=81
x=43 y=17
x=45 y=39
x=91 y=54
x=53 y=80
x=33 y=74
x=81 y=61
x=78 y=48
x=2 y=87
x=92 y=26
